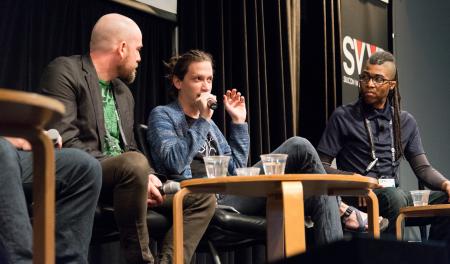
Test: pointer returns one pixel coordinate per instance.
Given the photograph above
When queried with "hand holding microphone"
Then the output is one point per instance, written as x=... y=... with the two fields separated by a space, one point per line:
x=206 y=104
x=156 y=192
x=169 y=187
x=54 y=135
x=212 y=104
x=154 y=196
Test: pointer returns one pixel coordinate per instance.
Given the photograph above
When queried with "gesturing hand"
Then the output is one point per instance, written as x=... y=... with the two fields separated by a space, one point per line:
x=235 y=106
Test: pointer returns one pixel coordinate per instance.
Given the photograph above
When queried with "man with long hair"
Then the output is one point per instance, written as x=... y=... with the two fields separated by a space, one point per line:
x=183 y=132
x=372 y=135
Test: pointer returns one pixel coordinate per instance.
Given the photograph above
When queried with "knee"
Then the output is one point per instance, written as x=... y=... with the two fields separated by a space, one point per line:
x=300 y=143
x=84 y=167
x=205 y=203
x=134 y=168
x=93 y=171
x=85 y=161
x=209 y=202
x=298 y=148
x=392 y=199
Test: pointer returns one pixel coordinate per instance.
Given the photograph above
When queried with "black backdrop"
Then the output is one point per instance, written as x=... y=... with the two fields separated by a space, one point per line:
x=247 y=38
x=33 y=32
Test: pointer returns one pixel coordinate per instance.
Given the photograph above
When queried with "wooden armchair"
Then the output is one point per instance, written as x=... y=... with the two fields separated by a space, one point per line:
x=25 y=115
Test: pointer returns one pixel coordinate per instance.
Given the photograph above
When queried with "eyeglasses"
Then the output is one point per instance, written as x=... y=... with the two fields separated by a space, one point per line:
x=378 y=80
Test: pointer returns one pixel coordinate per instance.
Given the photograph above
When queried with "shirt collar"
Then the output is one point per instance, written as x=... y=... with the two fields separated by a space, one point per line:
x=104 y=84
x=372 y=113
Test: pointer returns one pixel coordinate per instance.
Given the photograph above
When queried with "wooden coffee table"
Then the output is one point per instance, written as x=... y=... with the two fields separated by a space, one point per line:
x=419 y=211
x=285 y=213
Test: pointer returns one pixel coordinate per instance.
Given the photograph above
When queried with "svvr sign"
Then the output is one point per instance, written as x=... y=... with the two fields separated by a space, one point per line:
x=355 y=53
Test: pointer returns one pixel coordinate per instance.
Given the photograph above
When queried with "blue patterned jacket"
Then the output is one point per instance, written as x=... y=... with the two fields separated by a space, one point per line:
x=173 y=145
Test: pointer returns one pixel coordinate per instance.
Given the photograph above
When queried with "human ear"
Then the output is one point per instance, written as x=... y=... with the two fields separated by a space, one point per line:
x=122 y=49
x=393 y=84
x=176 y=82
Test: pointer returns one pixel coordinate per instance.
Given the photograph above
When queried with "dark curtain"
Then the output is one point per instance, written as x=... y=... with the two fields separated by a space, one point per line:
x=34 y=32
x=316 y=60
x=248 y=40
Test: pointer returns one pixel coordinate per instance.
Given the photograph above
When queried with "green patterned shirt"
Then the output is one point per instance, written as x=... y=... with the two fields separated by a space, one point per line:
x=112 y=138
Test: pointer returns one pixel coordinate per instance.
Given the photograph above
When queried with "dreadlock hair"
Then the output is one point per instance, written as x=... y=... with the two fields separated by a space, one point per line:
x=178 y=66
x=379 y=58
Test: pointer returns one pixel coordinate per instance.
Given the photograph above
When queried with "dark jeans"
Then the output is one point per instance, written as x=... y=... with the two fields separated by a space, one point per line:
x=323 y=210
x=125 y=180
x=78 y=181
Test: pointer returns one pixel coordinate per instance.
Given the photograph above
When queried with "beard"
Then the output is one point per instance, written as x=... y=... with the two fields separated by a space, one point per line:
x=127 y=74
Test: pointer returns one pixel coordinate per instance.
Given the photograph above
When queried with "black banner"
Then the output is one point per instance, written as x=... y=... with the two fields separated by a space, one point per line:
x=363 y=31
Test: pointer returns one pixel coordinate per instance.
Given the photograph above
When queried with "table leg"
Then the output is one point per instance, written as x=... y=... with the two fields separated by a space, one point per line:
x=178 y=225
x=294 y=218
x=43 y=198
x=275 y=228
x=399 y=226
x=373 y=214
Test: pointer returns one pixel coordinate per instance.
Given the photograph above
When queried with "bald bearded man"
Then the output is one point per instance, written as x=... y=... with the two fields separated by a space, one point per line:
x=100 y=121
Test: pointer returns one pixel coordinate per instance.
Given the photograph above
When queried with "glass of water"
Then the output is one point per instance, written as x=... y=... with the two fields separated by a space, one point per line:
x=274 y=163
x=216 y=166
x=420 y=197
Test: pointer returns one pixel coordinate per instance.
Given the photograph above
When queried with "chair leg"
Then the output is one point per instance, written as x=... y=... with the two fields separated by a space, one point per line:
x=399 y=226
x=423 y=233
x=214 y=254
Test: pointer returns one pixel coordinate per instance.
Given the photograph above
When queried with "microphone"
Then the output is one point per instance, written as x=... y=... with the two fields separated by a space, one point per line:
x=212 y=104
x=370 y=166
x=169 y=187
x=53 y=134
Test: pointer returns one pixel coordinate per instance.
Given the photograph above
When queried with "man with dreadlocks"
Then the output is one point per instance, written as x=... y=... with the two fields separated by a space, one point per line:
x=372 y=135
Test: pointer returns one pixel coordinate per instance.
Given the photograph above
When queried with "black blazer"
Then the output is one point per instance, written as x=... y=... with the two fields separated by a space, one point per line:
x=74 y=81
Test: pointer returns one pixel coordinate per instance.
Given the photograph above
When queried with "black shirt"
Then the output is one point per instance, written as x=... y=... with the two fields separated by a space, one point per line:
x=209 y=148
x=346 y=139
